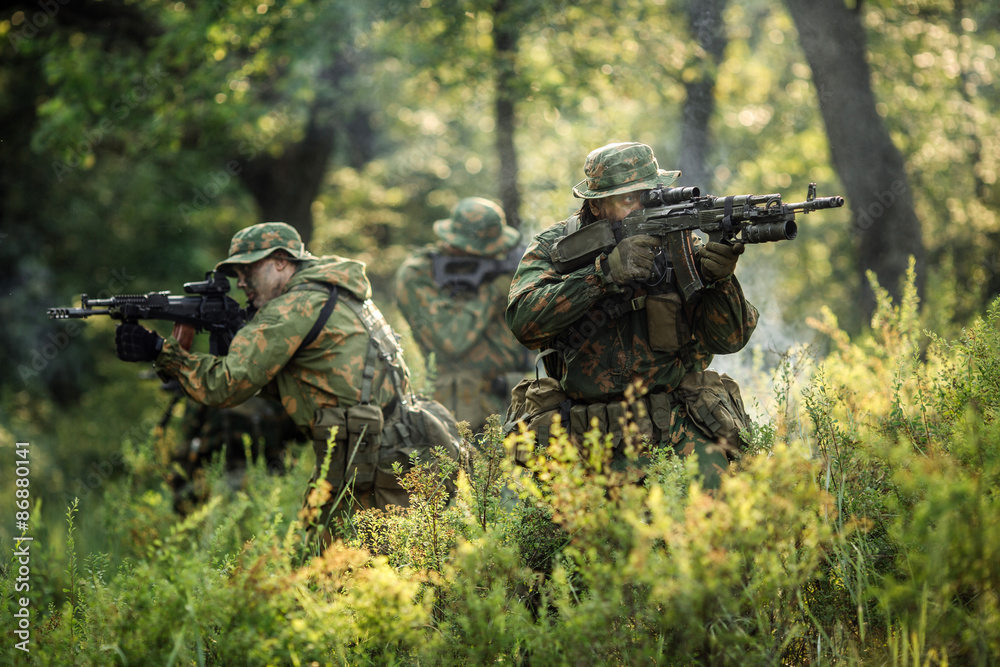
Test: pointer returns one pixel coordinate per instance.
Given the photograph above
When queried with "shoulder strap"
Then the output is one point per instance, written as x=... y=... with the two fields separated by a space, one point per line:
x=324 y=314
x=381 y=342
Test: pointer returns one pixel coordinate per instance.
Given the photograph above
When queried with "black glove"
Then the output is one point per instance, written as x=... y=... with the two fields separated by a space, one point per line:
x=632 y=259
x=136 y=343
x=718 y=260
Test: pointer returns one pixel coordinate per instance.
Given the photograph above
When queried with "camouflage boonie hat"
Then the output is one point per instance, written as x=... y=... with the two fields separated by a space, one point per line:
x=256 y=242
x=478 y=227
x=619 y=168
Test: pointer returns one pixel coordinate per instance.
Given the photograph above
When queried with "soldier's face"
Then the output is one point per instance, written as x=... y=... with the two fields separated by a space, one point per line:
x=260 y=281
x=616 y=207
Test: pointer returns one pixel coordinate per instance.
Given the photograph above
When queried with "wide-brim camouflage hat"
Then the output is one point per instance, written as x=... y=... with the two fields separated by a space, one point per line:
x=619 y=168
x=256 y=242
x=479 y=227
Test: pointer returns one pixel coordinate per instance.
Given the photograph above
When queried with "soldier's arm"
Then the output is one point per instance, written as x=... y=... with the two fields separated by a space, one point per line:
x=724 y=320
x=544 y=302
x=257 y=353
x=438 y=321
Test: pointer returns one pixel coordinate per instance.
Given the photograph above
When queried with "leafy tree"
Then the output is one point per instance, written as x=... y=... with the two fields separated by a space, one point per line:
x=871 y=167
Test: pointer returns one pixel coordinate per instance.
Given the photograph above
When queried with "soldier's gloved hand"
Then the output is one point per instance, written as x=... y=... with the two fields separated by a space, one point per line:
x=718 y=260
x=632 y=259
x=136 y=343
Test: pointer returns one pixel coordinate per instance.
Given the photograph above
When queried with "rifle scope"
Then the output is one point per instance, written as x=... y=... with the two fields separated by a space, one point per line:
x=667 y=196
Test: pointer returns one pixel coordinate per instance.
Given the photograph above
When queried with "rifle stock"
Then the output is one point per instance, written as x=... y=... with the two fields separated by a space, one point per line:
x=469 y=272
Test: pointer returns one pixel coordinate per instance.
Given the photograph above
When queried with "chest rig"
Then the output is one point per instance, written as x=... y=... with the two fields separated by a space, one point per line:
x=668 y=315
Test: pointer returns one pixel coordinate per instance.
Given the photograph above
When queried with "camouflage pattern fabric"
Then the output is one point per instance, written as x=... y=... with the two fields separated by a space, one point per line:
x=623 y=167
x=264 y=355
x=684 y=438
x=477 y=226
x=466 y=332
x=605 y=354
x=256 y=242
x=605 y=342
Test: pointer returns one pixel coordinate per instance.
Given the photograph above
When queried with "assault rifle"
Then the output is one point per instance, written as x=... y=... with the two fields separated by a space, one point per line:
x=207 y=308
x=670 y=214
x=469 y=272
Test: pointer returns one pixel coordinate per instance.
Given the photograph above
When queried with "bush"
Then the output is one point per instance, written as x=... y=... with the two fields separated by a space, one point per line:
x=861 y=527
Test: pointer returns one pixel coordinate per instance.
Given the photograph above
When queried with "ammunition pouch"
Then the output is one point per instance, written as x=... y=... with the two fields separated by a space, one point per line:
x=356 y=446
x=418 y=426
x=714 y=404
x=536 y=403
x=667 y=322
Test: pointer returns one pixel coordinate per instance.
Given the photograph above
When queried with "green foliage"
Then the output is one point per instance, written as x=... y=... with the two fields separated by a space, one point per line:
x=861 y=527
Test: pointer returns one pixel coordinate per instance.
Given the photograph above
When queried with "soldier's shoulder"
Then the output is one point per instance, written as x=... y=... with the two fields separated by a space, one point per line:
x=547 y=237
x=418 y=262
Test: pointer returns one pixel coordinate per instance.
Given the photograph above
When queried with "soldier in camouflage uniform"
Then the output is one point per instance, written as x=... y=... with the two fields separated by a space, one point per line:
x=476 y=359
x=289 y=288
x=598 y=319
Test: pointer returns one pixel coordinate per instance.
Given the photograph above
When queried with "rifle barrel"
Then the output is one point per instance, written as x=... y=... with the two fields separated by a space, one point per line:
x=818 y=203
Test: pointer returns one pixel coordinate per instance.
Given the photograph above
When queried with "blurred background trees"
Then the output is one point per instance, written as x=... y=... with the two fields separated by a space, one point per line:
x=137 y=137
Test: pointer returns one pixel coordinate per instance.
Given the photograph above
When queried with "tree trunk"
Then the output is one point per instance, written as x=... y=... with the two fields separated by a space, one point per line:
x=708 y=29
x=504 y=54
x=286 y=186
x=886 y=227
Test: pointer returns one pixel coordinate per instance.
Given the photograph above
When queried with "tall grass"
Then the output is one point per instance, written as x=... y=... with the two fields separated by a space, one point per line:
x=861 y=527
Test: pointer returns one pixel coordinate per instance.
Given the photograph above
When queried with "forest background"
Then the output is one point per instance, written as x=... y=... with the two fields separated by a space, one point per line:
x=137 y=137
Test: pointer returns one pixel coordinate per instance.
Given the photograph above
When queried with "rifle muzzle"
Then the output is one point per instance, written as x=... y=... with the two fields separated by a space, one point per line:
x=767 y=232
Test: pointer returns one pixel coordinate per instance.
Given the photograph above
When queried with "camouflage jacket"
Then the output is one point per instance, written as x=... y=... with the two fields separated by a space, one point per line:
x=463 y=329
x=603 y=340
x=265 y=355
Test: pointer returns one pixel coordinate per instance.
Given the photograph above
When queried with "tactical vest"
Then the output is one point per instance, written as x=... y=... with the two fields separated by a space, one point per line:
x=668 y=316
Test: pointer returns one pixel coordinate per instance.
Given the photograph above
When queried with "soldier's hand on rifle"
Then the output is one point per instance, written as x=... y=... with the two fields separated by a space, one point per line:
x=632 y=259
x=718 y=260
x=136 y=343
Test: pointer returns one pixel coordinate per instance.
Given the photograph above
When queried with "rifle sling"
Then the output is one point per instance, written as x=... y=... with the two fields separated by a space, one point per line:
x=727 y=216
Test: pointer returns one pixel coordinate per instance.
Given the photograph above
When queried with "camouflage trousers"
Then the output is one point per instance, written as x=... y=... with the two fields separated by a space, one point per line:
x=663 y=420
x=685 y=438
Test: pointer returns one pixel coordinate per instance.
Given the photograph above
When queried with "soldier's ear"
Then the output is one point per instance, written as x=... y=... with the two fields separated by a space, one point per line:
x=594 y=208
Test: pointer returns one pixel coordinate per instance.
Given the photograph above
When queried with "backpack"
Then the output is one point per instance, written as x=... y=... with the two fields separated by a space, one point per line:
x=417 y=424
